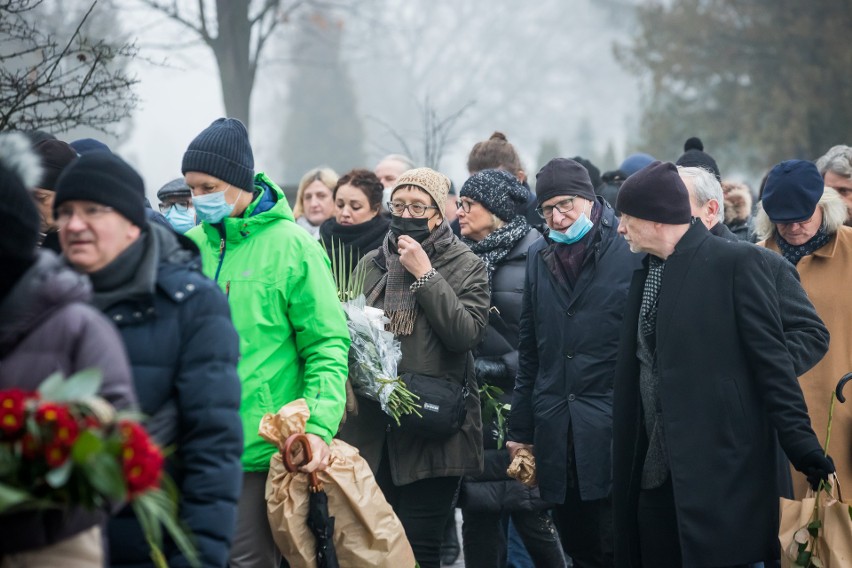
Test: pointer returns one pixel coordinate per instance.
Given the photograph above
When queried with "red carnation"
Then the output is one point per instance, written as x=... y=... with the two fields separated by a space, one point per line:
x=142 y=461
x=12 y=411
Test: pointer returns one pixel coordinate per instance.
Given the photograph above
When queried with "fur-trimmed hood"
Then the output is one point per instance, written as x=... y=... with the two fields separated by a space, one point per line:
x=738 y=202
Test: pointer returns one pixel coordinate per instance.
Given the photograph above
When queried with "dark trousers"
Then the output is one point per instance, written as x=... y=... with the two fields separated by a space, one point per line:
x=485 y=538
x=423 y=508
x=585 y=527
x=659 y=538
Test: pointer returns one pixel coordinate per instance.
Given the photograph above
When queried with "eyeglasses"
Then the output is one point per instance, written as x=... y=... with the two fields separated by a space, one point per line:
x=564 y=206
x=182 y=207
x=464 y=205
x=86 y=213
x=416 y=209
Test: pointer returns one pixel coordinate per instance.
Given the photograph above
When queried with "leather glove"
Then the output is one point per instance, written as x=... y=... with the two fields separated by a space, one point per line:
x=817 y=467
x=488 y=370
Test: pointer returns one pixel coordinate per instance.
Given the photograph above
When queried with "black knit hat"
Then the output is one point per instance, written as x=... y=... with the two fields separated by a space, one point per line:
x=55 y=157
x=19 y=170
x=103 y=177
x=498 y=191
x=655 y=193
x=222 y=150
x=594 y=172
x=561 y=176
x=694 y=157
x=792 y=191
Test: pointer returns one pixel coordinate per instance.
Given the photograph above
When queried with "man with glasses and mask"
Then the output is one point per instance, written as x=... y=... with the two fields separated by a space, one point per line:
x=176 y=205
x=577 y=279
x=183 y=349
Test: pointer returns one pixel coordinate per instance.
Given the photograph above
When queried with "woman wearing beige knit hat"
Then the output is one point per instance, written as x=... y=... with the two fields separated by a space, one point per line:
x=434 y=291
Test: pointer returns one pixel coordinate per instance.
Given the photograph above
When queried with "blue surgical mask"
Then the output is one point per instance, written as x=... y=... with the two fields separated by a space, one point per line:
x=213 y=207
x=181 y=218
x=574 y=233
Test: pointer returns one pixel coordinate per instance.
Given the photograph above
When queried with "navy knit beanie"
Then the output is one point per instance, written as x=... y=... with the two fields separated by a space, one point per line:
x=498 y=191
x=223 y=151
x=103 y=177
x=655 y=193
x=694 y=156
x=561 y=176
x=792 y=191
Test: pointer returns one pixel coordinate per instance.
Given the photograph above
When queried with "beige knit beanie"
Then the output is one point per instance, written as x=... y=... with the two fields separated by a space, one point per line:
x=436 y=184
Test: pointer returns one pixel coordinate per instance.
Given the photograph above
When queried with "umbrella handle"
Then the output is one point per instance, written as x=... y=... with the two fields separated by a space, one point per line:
x=287 y=454
x=839 y=390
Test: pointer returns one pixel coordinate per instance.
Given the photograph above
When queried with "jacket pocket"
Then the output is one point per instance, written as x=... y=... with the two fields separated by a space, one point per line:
x=734 y=409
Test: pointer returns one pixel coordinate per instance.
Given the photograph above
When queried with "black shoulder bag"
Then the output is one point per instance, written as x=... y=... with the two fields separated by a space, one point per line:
x=442 y=406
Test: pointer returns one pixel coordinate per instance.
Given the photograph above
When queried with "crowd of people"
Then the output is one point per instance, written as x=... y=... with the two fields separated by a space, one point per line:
x=664 y=348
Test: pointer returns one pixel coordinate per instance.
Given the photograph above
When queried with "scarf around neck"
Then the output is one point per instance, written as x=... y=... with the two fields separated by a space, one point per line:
x=400 y=304
x=498 y=244
x=795 y=253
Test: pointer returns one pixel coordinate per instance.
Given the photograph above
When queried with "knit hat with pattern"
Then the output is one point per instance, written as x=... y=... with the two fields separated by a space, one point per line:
x=498 y=191
x=436 y=184
x=223 y=151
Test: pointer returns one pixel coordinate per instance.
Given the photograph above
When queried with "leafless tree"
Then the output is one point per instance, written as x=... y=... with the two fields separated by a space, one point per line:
x=55 y=86
x=237 y=31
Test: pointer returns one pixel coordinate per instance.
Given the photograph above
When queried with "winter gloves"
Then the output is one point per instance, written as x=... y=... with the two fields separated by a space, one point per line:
x=816 y=466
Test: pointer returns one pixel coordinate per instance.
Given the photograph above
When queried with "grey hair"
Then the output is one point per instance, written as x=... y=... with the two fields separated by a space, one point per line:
x=837 y=160
x=834 y=214
x=707 y=187
x=401 y=158
x=17 y=155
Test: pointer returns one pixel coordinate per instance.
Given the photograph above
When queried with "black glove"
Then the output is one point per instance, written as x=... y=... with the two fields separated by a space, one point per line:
x=817 y=467
x=488 y=370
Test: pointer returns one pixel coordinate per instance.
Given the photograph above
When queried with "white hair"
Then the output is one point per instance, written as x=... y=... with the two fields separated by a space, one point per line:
x=834 y=214
x=837 y=160
x=706 y=187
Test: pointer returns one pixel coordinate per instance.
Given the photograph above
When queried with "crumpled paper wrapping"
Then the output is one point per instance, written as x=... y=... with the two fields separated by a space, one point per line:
x=522 y=468
x=366 y=532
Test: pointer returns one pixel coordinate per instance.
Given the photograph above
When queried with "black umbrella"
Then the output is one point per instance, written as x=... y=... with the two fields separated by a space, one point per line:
x=839 y=390
x=319 y=520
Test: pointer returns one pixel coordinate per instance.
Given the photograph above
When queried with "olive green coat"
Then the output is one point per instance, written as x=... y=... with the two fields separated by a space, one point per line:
x=453 y=312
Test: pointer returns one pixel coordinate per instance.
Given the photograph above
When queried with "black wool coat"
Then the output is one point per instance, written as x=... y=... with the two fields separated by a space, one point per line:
x=727 y=385
x=566 y=362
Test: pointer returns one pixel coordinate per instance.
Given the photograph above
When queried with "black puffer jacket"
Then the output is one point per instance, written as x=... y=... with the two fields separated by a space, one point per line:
x=497 y=364
x=46 y=326
x=184 y=352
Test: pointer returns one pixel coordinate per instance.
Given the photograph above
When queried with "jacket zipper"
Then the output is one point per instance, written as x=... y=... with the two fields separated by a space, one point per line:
x=221 y=252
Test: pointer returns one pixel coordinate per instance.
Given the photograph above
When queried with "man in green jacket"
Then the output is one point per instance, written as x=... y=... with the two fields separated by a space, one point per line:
x=293 y=336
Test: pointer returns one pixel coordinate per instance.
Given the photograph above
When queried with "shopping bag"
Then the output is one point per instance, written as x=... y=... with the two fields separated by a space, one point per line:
x=366 y=530
x=828 y=543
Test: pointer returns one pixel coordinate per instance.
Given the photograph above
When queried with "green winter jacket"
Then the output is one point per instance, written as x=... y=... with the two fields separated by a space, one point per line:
x=293 y=336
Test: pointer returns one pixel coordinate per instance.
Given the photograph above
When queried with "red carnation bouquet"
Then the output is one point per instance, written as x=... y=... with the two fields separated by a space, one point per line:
x=63 y=446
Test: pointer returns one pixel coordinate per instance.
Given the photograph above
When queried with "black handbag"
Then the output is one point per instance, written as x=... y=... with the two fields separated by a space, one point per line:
x=442 y=406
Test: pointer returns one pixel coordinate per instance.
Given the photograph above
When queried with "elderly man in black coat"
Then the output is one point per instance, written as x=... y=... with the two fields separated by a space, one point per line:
x=576 y=285
x=703 y=382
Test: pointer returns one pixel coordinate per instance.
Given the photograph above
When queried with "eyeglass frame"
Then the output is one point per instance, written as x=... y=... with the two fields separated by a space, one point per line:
x=543 y=215
x=464 y=205
x=96 y=210
x=407 y=206
x=187 y=205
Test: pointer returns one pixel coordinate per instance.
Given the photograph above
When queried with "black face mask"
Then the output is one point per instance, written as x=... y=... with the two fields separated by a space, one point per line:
x=415 y=227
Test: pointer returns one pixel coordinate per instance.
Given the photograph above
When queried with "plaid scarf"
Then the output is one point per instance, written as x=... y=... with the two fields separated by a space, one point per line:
x=399 y=303
x=499 y=243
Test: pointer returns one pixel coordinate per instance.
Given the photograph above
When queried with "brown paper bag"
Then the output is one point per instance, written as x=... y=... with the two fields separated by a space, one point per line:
x=833 y=543
x=366 y=530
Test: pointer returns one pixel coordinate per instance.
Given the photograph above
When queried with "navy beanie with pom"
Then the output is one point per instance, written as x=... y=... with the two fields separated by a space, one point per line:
x=104 y=178
x=694 y=156
x=792 y=191
x=497 y=190
x=223 y=151
x=655 y=193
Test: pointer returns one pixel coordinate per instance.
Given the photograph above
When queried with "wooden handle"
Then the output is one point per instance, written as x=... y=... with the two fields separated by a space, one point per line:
x=315 y=484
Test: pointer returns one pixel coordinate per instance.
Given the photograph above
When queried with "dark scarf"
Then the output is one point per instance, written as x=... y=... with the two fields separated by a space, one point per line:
x=351 y=242
x=499 y=243
x=570 y=258
x=795 y=253
x=131 y=276
x=399 y=303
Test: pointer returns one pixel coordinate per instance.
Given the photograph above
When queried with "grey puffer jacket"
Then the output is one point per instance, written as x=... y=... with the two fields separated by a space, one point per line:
x=46 y=326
